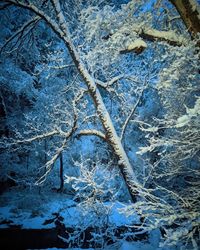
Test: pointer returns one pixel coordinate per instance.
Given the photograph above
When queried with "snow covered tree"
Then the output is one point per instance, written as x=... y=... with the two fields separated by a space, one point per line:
x=60 y=27
x=124 y=74
x=173 y=140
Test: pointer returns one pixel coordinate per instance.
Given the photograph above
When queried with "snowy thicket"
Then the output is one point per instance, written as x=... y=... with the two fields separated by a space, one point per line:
x=100 y=100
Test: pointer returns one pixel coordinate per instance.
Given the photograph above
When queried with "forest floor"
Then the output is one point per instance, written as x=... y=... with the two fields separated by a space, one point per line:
x=45 y=220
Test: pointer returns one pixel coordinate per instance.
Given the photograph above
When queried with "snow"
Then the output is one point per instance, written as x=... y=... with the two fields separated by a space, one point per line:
x=21 y=218
x=72 y=213
x=182 y=121
x=191 y=112
x=136 y=44
x=165 y=35
x=196 y=110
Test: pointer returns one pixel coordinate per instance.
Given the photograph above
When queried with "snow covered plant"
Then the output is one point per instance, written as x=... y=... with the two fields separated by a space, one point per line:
x=109 y=32
x=96 y=187
x=106 y=87
x=95 y=182
x=174 y=147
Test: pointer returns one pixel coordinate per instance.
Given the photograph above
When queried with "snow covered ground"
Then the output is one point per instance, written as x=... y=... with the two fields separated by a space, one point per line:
x=36 y=211
x=30 y=210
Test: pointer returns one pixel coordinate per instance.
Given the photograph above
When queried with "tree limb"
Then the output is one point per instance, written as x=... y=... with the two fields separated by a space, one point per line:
x=189 y=11
x=169 y=37
x=131 y=113
x=110 y=82
x=21 y=31
x=4 y=6
x=88 y=132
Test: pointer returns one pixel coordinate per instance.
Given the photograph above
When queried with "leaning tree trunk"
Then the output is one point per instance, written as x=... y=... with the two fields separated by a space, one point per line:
x=111 y=135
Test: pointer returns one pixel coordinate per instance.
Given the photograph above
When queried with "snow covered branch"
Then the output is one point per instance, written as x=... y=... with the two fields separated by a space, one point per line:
x=110 y=82
x=39 y=13
x=149 y=34
x=131 y=113
x=88 y=132
x=169 y=37
x=7 y=145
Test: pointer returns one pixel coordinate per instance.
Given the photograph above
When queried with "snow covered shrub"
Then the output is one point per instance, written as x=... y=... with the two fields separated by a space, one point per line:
x=174 y=140
x=96 y=182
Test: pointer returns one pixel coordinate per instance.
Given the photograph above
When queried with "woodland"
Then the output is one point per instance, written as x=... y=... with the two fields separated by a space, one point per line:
x=100 y=124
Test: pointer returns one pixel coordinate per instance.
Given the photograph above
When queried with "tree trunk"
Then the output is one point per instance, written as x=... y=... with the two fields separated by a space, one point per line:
x=111 y=135
x=61 y=173
x=61 y=29
x=189 y=12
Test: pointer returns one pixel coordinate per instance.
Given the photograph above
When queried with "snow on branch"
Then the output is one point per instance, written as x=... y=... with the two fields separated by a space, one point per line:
x=48 y=166
x=60 y=16
x=138 y=46
x=64 y=66
x=110 y=82
x=158 y=35
x=29 y=140
x=39 y=13
x=132 y=112
x=88 y=132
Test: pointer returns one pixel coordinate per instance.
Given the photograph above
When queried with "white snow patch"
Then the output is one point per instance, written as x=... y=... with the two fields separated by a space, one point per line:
x=73 y=215
x=136 y=44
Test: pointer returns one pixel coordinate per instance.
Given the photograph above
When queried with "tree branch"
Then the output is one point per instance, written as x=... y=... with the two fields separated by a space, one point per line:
x=110 y=82
x=189 y=11
x=89 y=132
x=131 y=113
x=41 y=14
x=20 y=31
x=169 y=37
x=150 y=34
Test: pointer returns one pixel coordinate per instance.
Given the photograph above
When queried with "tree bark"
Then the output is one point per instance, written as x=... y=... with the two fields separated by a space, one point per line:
x=61 y=173
x=189 y=12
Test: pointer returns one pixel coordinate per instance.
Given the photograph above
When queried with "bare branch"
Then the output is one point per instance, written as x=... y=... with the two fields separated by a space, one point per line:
x=131 y=113
x=4 y=6
x=21 y=31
